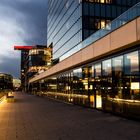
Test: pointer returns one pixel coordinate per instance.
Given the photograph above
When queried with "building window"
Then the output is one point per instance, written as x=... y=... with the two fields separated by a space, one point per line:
x=97 y=83
x=117 y=75
x=98 y=71
x=102 y=1
x=77 y=81
x=97 y=24
x=107 y=77
x=108 y=1
x=131 y=63
x=102 y=23
x=131 y=76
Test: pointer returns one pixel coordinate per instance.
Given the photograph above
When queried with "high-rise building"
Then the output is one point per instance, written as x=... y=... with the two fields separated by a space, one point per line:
x=72 y=21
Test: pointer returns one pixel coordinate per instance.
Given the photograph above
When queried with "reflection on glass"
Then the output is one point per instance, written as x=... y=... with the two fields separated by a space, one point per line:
x=117 y=76
x=98 y=86
x=131 y=63
x=85 y=79
x=106 y=67
x=107 y=78
x=131 y=75
x=97 y=70
x=103 y=85
x=77 y=81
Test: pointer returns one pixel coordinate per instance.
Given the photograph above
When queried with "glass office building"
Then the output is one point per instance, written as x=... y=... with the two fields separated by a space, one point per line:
x=64 y=25
x=105 y=74
x=72 y=21
x=97 y=13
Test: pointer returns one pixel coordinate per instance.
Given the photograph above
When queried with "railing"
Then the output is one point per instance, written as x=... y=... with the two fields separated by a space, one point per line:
x=126 y=17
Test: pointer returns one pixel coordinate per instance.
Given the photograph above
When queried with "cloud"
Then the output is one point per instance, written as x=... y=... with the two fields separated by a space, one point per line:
x=22 y=22
x=10 y=34
x=9 y=66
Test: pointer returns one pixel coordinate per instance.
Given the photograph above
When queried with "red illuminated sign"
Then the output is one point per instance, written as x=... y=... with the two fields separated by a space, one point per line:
x=23 y=47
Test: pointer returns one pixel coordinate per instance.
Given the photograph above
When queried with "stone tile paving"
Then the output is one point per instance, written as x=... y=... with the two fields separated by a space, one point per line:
x=37 y=118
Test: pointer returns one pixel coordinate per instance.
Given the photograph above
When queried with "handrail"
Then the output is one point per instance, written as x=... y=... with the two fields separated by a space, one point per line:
x=124 y=18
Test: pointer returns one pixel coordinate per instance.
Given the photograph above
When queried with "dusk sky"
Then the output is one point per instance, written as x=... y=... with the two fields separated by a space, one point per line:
x=22 y=22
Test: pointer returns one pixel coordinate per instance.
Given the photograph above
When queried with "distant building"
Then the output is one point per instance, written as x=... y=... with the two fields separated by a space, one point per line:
x=34 y=60
x=6 y=81
x=39 y=60
x=16 y=83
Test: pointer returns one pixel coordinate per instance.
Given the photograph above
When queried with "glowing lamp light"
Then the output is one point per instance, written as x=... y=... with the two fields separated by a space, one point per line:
x=135 y=85
x=98 y=101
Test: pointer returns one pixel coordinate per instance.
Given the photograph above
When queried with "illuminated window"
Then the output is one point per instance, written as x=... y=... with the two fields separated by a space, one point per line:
x=97 y=23
x=108 y=1
x=102 y=23
x=33 y=51
x=108 y=25
x=102 y=1
x=96 y=0
x=91 y=0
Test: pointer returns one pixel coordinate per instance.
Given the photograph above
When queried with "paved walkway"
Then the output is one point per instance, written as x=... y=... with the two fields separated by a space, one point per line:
x=37 y=118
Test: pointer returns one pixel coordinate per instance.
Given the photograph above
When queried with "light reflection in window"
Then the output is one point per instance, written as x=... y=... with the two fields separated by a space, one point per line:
x=100 y=1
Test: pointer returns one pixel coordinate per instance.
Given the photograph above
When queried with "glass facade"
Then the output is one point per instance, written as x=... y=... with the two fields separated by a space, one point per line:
x=98 y=13
x=38 y=60
x=111 y=84
x=64 y=25
x=71 y=22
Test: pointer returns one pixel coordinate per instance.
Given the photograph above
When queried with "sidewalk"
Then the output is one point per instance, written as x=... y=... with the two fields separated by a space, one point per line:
x=37 y=118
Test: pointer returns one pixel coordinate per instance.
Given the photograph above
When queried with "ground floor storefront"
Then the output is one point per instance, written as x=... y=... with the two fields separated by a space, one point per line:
x=109 y=84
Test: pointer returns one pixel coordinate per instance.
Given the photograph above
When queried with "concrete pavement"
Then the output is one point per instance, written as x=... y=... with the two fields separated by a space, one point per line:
x=37 y=118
